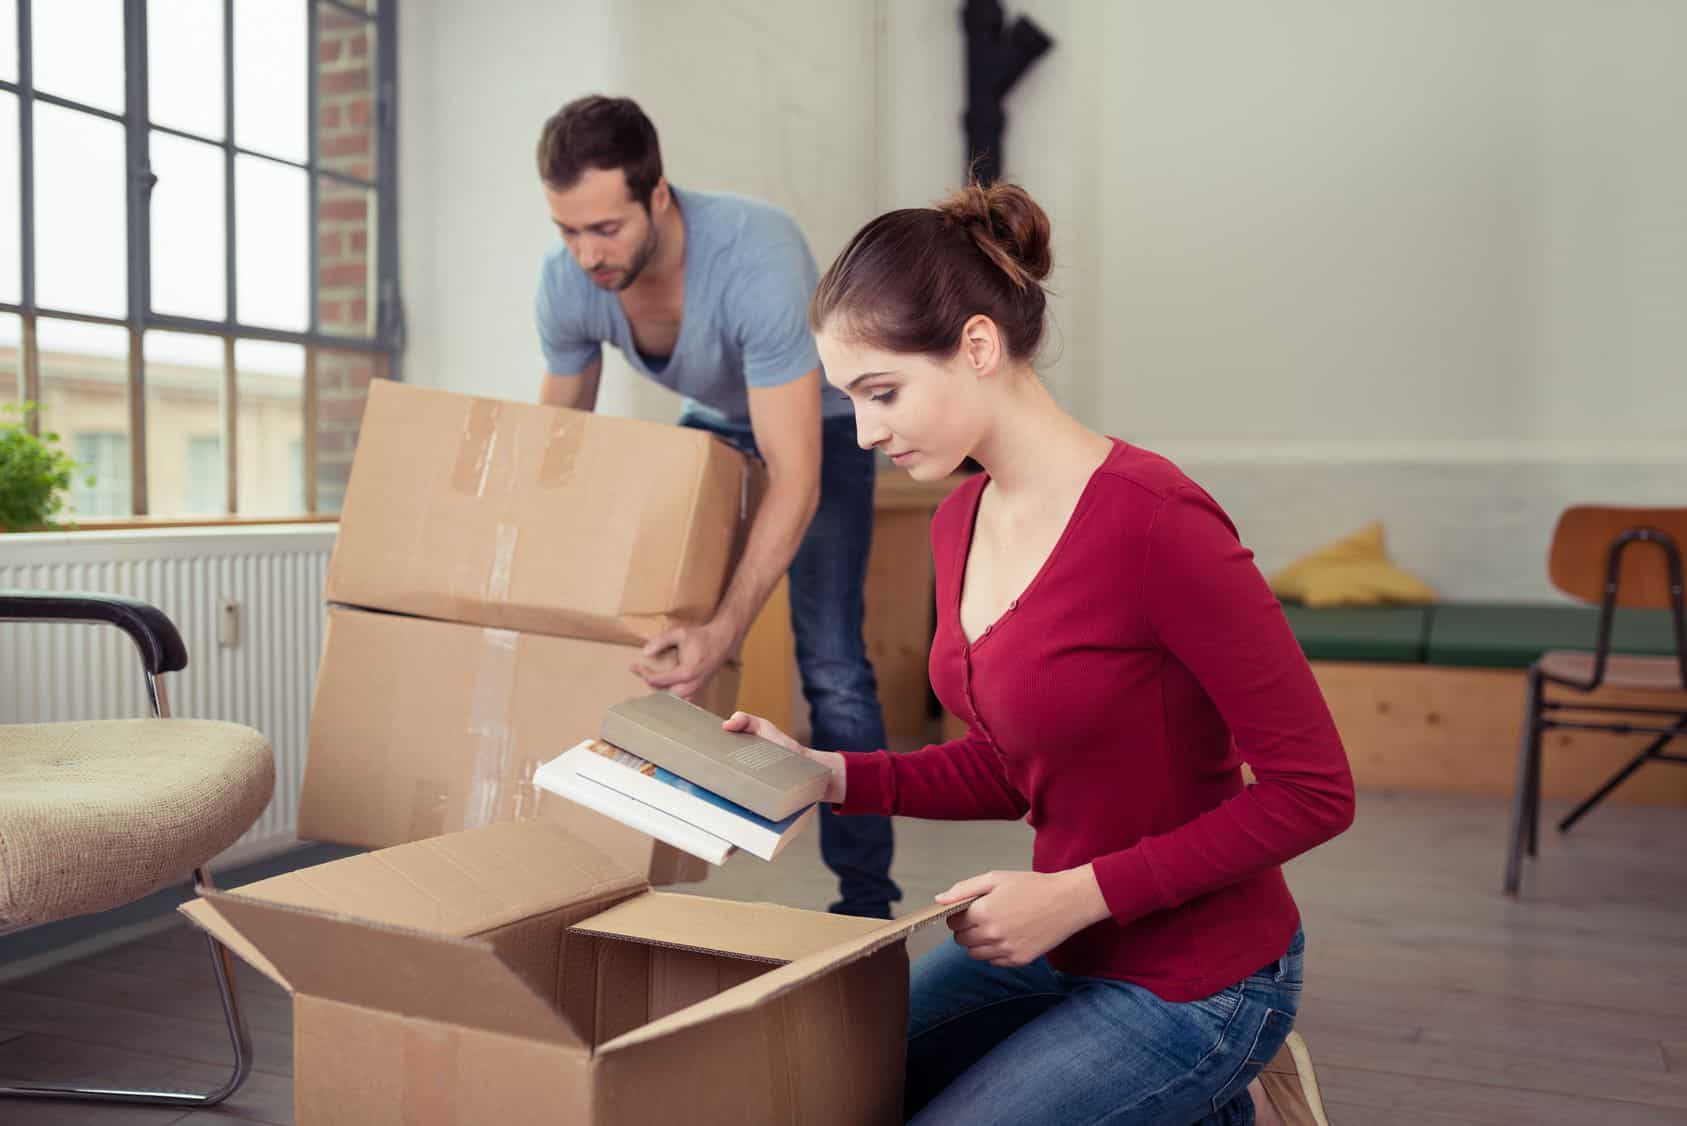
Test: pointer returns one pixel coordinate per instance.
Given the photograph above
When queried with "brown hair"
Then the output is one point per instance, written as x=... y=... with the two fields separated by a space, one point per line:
x=600 y=132
x=909 y=280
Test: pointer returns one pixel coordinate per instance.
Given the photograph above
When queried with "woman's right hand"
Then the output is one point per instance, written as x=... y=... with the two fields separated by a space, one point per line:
x=831 y=760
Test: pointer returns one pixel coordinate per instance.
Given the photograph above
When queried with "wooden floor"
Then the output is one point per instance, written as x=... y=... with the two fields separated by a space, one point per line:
x=1431 y=998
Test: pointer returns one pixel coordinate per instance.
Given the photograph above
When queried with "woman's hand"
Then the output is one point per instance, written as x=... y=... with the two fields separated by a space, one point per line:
x=831 y=760
x=1020 y=916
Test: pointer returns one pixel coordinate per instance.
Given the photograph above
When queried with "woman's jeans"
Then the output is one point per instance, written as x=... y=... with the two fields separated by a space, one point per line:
x=1032 y=1045
x=827 y=609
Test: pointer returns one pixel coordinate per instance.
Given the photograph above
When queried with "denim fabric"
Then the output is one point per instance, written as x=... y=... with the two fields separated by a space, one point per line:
x=991 y=1045
x=827 y=608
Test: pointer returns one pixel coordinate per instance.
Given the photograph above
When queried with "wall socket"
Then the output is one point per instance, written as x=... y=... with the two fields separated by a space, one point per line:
x=228 y=624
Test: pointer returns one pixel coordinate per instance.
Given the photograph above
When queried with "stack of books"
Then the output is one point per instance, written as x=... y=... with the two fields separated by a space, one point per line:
x=664 y=767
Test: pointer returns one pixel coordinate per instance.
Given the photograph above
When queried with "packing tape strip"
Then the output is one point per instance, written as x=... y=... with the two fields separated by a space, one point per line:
x=562 y=450
x=474 y=448
x=503 y=559
x=489 y=725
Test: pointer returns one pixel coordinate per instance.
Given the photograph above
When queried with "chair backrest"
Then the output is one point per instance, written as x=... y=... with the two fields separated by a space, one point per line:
x=1579 y=560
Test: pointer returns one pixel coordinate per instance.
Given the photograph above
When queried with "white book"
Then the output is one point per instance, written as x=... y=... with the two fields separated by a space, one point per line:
x=652 y=785
x=560 y=778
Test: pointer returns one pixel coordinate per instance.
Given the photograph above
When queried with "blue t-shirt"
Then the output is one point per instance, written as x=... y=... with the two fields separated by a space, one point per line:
x=748 y=279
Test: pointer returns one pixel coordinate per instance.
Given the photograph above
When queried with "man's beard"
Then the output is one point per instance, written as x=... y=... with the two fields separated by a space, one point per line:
x=639 y=262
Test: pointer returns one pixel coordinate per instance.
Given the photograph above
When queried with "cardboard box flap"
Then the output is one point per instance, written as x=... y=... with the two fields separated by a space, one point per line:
x=419 y=976
x=761 y=932
x=459 y=884
x=205 y=916
x=783 y=980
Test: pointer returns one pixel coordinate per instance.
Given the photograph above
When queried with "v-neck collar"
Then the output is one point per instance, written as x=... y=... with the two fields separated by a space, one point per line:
x=688 y=286
x=965 y=549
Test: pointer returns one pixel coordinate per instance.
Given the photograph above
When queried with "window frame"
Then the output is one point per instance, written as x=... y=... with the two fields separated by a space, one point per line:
x=387 y=339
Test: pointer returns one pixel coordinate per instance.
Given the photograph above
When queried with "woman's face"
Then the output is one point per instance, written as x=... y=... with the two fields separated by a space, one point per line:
x=926 y=413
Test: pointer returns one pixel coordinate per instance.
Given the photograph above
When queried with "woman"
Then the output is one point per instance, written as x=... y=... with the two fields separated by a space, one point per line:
x=1117 y=657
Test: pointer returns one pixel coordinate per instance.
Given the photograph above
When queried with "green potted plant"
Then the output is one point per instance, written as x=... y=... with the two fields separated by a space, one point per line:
x=35 y=474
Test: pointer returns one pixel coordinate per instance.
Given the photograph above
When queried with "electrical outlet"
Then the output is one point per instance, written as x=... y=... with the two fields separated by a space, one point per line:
x=228 y=624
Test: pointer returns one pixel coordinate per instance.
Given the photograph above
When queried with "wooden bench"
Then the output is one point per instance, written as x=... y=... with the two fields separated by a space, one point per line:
x=1427 y=698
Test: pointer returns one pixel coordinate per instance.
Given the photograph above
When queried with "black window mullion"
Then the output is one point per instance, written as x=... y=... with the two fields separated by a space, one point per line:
x=29 y=373
x=312 y=125
x=26 y=154
x=79 y=107
x=232 y=314
x=389 y=324
x=137 y=195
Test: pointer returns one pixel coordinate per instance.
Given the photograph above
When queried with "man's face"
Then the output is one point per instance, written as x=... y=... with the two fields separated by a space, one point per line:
x=609 y=233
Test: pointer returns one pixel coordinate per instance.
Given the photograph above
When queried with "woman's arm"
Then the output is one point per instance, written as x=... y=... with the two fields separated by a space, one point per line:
x=961 y=780
x=1212 y=610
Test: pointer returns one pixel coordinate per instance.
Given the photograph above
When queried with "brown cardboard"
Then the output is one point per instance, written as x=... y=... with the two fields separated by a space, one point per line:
x=536 y=518
x=758 y=774
x=516 y=974
x=422 y=728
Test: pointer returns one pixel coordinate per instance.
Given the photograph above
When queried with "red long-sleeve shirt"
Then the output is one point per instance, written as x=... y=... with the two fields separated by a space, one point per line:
x=1113 y=703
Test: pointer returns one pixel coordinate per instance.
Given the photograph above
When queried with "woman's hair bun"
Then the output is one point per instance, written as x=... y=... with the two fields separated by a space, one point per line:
x=1007 y=225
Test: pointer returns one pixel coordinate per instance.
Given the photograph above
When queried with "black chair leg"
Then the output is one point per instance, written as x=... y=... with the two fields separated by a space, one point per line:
x=1537 y=769
x=1652 y=751
x=1524 y=812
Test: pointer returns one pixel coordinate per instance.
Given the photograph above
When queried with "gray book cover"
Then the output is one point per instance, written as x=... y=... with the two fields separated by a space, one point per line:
x=679 y=736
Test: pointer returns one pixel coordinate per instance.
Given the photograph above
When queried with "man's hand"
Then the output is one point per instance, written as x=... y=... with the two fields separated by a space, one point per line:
x=1023 y=915
x=699 y=651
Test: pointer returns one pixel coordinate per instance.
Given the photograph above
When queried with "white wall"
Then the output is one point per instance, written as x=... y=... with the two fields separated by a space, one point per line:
x=774 y=101
x=1347 y=259
x=1343 y=259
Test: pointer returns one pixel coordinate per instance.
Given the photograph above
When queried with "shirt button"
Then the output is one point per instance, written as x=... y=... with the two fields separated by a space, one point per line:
x=1014 y=605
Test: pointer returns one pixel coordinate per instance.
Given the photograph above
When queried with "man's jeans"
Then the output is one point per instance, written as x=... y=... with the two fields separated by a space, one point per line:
x=826 y=579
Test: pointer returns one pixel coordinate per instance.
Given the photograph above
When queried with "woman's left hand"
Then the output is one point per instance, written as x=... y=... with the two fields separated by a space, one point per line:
x=1020 y=916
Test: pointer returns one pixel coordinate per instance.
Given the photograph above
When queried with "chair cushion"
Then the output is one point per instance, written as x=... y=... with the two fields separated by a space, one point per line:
x=1514 y=635
x=1360 y=633
x=94 y=815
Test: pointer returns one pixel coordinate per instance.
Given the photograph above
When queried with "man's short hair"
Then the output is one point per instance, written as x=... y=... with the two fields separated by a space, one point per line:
x=600 y=132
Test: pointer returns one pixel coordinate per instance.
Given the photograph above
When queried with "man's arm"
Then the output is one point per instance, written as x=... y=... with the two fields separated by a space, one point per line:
x=578 y=391
x=786 y=422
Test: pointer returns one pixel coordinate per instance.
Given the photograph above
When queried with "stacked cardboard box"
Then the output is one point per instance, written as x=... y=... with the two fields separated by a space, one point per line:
x=497 y=568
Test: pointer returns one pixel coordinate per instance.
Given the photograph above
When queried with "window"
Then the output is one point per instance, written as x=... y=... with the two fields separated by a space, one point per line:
x=104 y=455
x=198 y=277
x=204 y=469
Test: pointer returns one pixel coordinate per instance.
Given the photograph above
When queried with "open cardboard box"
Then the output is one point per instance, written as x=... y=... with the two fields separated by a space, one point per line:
x=538 y=518
x=422 y=728
x=514 y=974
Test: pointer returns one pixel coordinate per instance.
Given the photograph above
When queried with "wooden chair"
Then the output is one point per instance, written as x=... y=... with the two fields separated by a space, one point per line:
x=1611 y=557
x=98 y=814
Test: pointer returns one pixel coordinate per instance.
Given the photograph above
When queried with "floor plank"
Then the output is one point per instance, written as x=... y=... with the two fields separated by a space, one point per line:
x=1432 y=999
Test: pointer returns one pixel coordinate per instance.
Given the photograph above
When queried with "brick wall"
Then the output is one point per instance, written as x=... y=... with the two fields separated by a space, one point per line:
x=346 y=143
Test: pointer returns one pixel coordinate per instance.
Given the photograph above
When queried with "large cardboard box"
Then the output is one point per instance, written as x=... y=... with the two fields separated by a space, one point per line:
x=422 y=728
x=537 y=518
x=515 y=975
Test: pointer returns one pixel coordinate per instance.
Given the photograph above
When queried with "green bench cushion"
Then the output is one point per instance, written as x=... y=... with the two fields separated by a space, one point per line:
x=1361 y=633
x=1498 y=635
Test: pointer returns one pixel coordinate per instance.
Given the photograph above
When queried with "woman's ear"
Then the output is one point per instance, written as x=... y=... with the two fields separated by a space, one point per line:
x=981 y=345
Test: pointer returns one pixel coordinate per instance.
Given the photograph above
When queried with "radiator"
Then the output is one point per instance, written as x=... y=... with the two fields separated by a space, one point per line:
x=270 y=577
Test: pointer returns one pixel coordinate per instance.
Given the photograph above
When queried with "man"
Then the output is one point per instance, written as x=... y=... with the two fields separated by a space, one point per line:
x=708 y=295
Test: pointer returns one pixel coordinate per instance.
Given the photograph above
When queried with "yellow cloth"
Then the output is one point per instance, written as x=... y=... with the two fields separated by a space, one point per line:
x=1353 y=571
